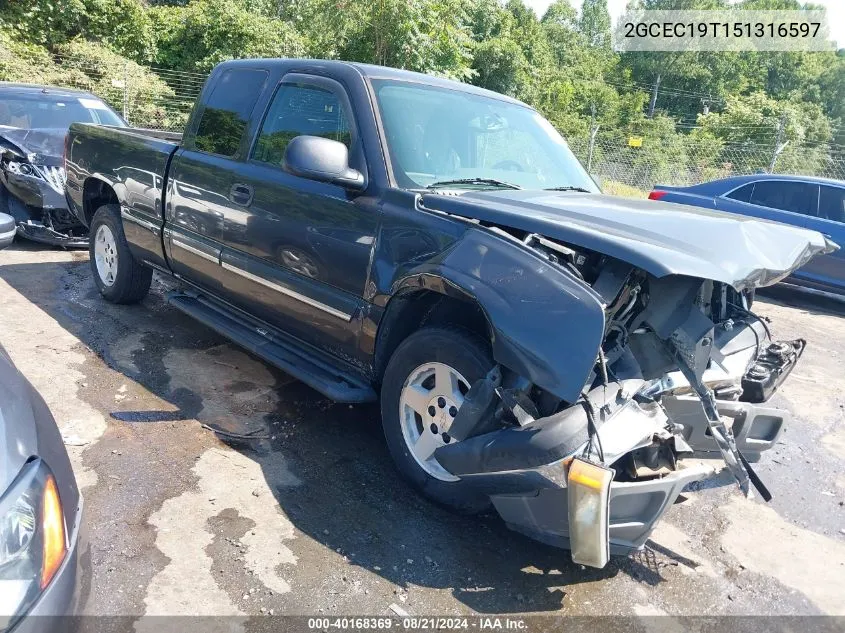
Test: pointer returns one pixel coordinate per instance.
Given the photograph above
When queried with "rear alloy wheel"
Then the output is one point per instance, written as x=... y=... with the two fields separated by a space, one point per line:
x=120 y=278
x=423 y=388
x=105 y=255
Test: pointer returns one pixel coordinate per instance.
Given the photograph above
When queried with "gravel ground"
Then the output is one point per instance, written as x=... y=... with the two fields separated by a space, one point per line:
x=309 y=517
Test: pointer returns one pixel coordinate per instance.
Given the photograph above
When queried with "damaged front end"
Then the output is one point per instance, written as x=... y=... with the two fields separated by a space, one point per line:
x=684 y=370
x=32 y=182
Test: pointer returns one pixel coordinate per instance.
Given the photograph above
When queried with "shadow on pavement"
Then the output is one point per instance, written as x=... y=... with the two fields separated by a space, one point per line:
x=810 y=303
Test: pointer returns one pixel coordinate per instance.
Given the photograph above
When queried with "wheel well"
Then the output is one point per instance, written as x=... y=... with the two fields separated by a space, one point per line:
x=96 y=193
x=411 y=311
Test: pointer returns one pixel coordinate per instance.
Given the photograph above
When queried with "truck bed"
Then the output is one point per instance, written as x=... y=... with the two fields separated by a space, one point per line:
x=133 y=163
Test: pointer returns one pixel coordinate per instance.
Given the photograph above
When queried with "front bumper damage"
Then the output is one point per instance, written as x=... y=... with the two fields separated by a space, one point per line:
x=682 y=368
x=523 y=469
x=651 y=432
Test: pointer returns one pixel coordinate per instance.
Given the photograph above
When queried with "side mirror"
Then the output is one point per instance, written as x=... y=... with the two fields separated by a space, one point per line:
x=322 y=159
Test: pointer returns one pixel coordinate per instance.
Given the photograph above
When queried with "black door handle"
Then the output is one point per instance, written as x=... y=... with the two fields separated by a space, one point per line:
x=241 y=194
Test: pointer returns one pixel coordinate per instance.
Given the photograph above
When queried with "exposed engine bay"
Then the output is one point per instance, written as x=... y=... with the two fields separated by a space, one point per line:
x=32 y=189
x=681 y=372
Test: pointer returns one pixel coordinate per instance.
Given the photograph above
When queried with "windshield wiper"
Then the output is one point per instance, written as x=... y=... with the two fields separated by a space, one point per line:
x=474 y=181
x=569 y=188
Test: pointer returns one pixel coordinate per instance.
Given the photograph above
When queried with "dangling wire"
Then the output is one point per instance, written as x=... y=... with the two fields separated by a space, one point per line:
x=753 y=316
x=592 y=430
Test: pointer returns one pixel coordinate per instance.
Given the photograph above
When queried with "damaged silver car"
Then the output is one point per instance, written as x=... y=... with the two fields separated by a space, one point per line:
x=33 y=123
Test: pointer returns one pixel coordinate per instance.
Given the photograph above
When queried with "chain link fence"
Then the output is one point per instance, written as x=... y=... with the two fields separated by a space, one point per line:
x=634 y=171
x=146 y=96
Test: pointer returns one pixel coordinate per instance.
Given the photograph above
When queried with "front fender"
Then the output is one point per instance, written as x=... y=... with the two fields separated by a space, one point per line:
x=547 y=325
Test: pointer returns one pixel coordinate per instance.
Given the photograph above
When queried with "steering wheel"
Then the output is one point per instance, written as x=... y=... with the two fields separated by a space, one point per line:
x=508 y=165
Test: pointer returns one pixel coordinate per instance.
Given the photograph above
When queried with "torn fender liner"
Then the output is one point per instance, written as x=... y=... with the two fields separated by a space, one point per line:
x=661 y=238
x=478 y=406
x=542 y=442
x=45 y=235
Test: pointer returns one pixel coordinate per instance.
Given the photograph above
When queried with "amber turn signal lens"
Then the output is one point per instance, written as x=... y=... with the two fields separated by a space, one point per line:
x=53 y=531
x=588 y=496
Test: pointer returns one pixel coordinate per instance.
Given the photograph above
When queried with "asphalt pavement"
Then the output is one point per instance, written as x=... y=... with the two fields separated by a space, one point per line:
x=218 y=485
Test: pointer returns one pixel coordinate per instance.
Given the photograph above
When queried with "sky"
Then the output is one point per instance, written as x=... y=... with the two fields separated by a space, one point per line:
x=835 y=13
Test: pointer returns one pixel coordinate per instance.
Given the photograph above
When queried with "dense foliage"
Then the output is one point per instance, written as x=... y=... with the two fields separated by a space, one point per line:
x=561 y=62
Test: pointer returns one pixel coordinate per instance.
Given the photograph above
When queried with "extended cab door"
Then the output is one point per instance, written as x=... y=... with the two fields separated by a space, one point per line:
x=298 y=253
x=203 y=191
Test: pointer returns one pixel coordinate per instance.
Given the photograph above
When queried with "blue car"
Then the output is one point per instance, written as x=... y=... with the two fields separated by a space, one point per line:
x=813 y=203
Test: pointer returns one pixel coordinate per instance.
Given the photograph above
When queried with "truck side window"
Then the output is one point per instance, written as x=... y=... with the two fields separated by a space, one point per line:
x=299 y=110
x=227 y=110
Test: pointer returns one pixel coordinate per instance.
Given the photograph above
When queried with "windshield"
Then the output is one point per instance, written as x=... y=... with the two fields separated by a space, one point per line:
x=438 y=135
x=51 y=111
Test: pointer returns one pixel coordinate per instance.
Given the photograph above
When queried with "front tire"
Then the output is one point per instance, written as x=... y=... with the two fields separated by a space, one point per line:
x=118 y=276
x=424 y=385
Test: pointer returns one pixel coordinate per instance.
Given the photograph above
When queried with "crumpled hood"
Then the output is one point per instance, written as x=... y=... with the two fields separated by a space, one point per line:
x=47 y=144
x=660 y=238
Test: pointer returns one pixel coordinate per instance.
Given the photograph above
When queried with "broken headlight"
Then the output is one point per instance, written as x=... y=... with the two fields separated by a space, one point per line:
x=54 y=176
x=33 y=541
x=24 y=169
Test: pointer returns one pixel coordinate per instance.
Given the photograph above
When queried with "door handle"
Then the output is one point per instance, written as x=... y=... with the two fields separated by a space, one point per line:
x=241 y=194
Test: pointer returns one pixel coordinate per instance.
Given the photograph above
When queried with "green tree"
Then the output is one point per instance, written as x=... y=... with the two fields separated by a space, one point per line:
x=205 y=32
x=430 y=36
x=595 y=23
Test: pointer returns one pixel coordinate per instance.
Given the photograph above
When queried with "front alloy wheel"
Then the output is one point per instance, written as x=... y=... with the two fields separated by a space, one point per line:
x=423 y=388
x=429 y=403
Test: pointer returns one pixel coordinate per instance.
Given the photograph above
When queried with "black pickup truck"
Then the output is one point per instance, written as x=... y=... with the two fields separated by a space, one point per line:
x=384 y=234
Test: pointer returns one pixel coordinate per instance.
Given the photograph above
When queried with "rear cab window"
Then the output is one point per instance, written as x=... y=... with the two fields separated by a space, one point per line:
x=225 y=115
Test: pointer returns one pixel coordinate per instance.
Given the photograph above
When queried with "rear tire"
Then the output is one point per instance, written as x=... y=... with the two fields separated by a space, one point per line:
x=119 y=277
x=437 y=366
